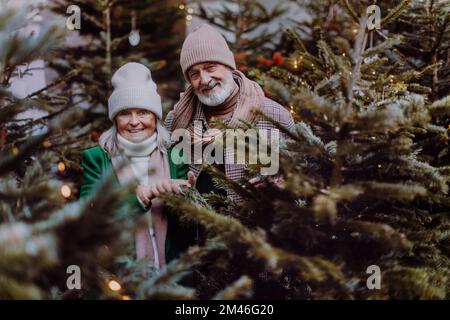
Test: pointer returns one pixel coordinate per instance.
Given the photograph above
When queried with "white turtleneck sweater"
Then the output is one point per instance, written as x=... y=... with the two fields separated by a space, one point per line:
x=138 y=153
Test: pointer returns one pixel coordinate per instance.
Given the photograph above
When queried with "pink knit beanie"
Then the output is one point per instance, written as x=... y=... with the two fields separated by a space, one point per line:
x=203 y=45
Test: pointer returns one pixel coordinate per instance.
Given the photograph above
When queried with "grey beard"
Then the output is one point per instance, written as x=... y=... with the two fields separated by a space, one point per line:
x=215 y=99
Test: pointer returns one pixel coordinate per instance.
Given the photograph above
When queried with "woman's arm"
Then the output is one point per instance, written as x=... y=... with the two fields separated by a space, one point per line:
x=91 y=173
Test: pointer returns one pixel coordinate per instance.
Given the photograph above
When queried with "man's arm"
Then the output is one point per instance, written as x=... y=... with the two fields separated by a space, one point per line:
x=275 y=111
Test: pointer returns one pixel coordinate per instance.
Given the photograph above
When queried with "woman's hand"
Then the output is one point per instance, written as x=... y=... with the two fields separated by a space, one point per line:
x=147 y=193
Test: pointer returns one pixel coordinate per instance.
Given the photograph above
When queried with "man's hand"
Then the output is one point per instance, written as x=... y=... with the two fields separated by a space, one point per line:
x=277 y=180
x=191 y=179
x=147 y=193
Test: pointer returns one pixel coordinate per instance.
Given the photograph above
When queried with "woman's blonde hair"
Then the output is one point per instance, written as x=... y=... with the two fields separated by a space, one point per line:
x=108 y=139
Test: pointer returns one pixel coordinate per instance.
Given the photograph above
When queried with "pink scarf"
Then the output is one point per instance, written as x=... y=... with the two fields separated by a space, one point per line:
x=158 y=169
x=250 y=97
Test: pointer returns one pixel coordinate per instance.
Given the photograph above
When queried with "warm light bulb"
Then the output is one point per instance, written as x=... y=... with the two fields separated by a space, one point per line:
x=65 y=191
x=181 y=6
x=61 y=166
x=114 y=285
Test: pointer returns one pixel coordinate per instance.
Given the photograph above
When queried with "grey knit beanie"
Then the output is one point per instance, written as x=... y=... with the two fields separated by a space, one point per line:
x=205 y=44
x=134 y=88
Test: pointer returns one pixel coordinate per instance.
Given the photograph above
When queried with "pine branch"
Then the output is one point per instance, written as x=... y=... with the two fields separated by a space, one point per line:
x=164 y=285
x=240 y=288
x=395 y=12
x=385 y=45
x=351 y=11
x=309 y=268
x=9 y=161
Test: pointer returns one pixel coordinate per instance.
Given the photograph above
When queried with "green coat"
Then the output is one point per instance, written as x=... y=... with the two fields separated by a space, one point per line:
x=96 y=162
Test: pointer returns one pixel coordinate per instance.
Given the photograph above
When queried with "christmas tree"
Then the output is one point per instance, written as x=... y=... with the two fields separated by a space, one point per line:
x=44 y=232
x=42 y=221
x=366 y=172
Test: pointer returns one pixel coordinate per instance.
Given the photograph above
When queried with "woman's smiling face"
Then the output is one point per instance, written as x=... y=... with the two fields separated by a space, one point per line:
x=135 y=124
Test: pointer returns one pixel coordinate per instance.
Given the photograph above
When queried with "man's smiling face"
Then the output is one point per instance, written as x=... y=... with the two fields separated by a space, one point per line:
x=212 y=82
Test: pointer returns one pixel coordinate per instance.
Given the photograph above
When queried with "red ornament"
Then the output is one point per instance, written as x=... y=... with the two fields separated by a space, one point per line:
x=264 y=61
x=277 y=58
x=242 y=68
x=95 y=136
x=240 y=55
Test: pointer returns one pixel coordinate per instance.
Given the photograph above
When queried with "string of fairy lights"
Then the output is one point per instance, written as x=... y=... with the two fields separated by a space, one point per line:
x=189 y=11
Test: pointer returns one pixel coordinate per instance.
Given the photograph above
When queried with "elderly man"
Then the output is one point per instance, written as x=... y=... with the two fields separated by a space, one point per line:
x=218 y=91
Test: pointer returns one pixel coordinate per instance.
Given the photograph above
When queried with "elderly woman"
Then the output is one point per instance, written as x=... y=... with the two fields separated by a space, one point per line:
x=138 y=139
